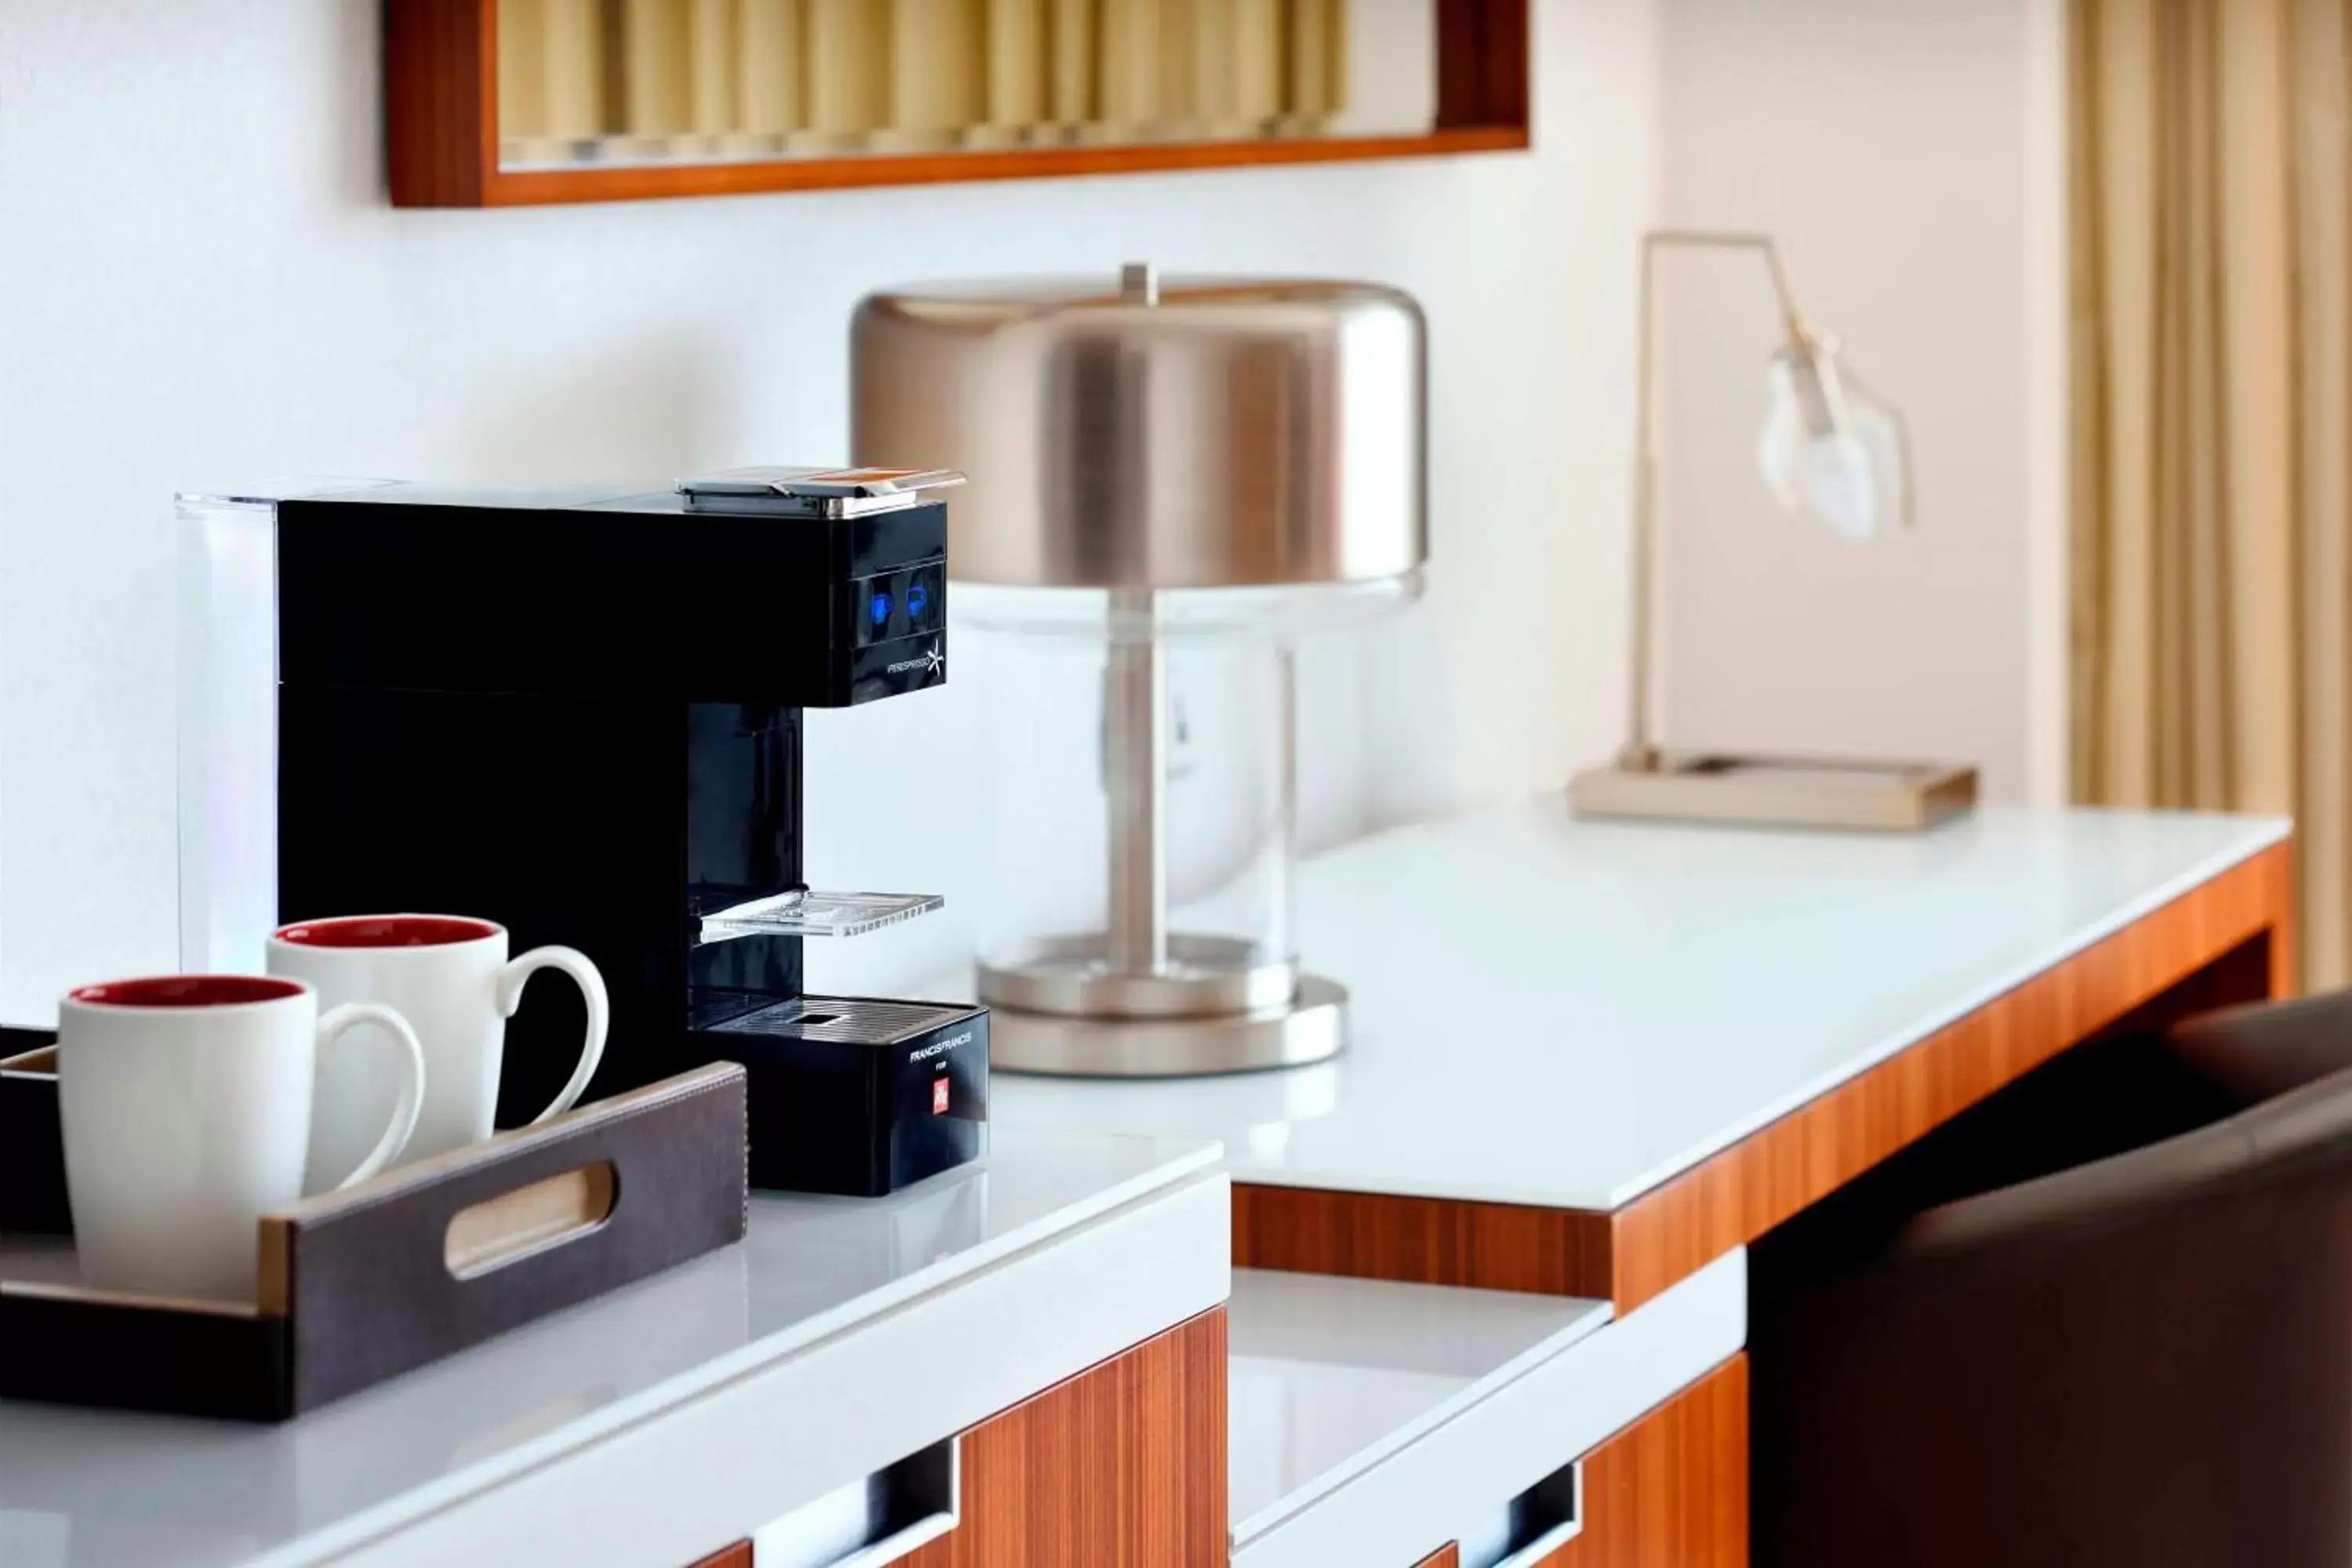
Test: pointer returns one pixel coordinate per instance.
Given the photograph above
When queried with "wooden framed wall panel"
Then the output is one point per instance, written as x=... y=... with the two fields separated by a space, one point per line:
x=440 y=101
x=1121 y=1467
x=2227 y=940
x=1483 y=63
x=441 y=124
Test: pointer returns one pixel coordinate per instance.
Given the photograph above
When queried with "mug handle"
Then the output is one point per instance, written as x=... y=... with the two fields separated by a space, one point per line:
x=341 y=1022
x=576 y=964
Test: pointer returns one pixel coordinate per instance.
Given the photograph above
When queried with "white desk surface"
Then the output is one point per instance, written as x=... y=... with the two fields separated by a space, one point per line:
x=92 y=1489
x=1568 y=1014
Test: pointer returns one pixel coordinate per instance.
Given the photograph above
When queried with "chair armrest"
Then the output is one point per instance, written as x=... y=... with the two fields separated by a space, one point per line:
x=2315 y=1116
x=2102 y=1192
x=2264 y=1049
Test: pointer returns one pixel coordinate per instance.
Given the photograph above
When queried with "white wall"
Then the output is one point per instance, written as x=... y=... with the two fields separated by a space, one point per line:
x=1910 y=153
x=200 y=283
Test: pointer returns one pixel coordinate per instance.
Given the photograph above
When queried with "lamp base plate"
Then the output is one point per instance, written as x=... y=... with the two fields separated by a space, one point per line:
x=1311 y=1028
x=1778 y=792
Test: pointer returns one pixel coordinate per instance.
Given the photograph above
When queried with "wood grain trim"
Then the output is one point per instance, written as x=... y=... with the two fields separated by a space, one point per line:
x=440 y=101
x=1432 y=1241
x=1120 y=1467
x=1803 y=1157
x=1671 y=1491
x=736 y=1556
x=641 y=181
x=2287 y=930
x=1482 y=63
x=1733 y=1197
x=1446 y=1556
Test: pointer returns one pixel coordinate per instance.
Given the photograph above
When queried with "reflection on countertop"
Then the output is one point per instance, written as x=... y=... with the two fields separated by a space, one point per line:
x=91 y=1487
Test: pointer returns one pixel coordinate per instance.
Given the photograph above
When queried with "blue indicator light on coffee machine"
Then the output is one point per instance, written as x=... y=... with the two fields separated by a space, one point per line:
x=918 y=600
x=877 y=610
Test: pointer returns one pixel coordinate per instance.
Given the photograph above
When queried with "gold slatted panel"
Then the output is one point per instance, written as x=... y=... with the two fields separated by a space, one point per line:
x=587 y=81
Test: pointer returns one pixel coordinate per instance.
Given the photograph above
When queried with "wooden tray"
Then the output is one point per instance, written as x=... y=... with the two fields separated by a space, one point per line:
x=358 y=1286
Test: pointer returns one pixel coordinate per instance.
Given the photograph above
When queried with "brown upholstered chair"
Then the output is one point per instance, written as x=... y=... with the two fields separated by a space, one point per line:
x=2140 y=1361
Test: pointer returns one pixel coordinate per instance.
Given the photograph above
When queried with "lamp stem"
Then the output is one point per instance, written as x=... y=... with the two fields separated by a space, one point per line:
x=1638 y=754
x=1792 y=319
x=1641 y=751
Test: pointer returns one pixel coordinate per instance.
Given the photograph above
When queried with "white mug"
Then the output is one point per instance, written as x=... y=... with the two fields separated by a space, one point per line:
x=185 y=1101
x=450 y=977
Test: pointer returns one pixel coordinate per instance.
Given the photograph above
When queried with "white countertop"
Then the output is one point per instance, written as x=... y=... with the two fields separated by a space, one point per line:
x=1031 y=1266
x=1568 y=1014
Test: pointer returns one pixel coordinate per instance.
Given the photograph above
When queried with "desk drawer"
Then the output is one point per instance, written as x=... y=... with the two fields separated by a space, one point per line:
x=1372 y=1431
x=1669 y=1491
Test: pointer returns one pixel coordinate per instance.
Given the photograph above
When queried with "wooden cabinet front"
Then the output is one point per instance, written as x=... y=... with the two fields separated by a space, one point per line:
x=1671 y=1491
x=1121 y=1467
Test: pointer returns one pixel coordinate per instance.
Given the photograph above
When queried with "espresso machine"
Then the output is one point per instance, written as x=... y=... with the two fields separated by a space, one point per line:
x=579 y=712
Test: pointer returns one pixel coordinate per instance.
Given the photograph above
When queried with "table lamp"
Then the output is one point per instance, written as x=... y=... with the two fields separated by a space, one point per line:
x=1832 y=451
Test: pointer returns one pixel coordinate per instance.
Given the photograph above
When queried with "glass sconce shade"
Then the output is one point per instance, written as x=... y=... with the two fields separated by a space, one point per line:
x=1828 y=449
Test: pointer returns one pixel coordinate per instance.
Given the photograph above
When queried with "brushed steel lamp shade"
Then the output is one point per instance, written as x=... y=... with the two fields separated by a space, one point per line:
x=1835 y=453
x=1206 y=432
x=1169 y=481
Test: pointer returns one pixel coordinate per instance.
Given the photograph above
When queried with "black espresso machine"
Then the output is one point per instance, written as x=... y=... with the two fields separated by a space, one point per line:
x=578 y=712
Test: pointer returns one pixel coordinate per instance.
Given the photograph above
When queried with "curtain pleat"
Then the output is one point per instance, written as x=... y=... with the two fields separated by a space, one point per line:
x=2322 y=196
x=2212 y=375
x=704 y=78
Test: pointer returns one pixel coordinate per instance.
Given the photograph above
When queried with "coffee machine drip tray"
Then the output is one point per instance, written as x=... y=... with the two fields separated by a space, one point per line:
x=802 y=913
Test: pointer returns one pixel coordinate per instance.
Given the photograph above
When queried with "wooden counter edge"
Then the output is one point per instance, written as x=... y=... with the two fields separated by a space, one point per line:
x=2231 y=934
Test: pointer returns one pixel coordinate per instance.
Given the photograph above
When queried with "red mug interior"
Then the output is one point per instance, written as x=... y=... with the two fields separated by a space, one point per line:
x=187 y=991
x=388 y=931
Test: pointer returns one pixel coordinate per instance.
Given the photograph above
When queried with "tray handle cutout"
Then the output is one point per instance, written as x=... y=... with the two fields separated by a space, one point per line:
x=42 y=1060
x=431 y=1257
x=529 y=1220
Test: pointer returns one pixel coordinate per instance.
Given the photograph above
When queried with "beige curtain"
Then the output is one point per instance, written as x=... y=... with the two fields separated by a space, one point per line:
x=697 y=77
x=2212 y=344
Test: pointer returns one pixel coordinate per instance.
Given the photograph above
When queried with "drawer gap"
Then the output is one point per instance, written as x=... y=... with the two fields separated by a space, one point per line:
x=1532 y=1525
